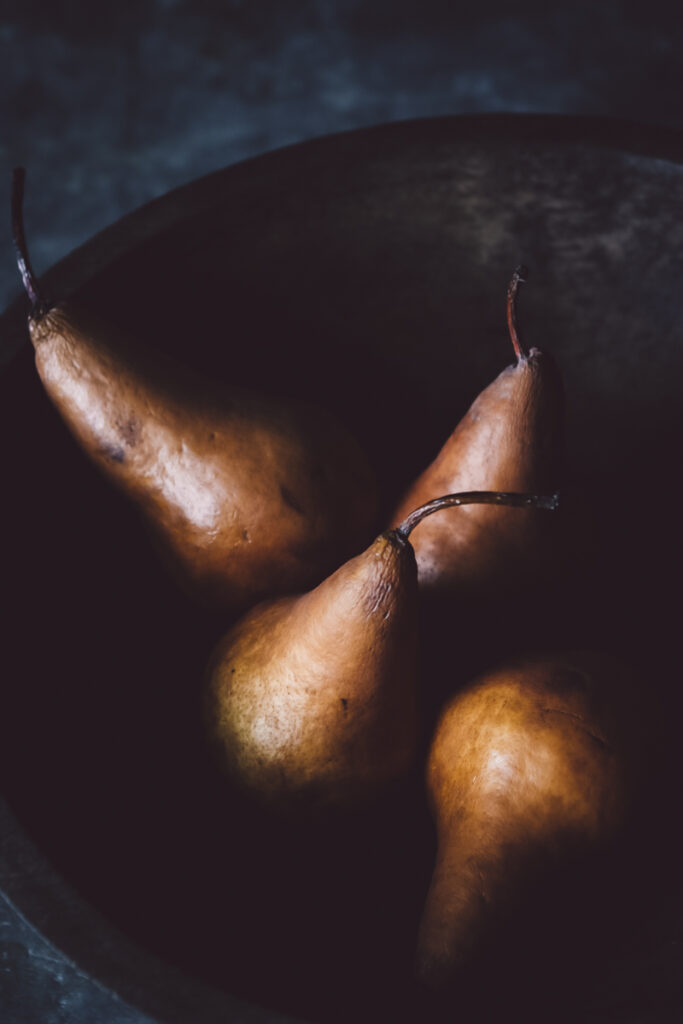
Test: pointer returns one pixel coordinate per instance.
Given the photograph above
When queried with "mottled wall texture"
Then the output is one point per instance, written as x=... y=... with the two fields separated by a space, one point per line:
x=109 y=105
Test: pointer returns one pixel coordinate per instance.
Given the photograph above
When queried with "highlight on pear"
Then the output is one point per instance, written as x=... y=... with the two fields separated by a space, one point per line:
x=530 y=773
x=509 y=440
x=313 y=700
x=245 y=496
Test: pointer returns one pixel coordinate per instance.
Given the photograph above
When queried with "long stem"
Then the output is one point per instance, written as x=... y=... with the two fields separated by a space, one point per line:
x=511 y=498
x=519 y=277
x=38 y=304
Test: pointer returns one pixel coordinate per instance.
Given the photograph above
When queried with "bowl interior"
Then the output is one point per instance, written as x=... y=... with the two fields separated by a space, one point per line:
x=365 y=272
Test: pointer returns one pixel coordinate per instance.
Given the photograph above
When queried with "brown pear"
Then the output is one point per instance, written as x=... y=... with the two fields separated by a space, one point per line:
x=311 y=700
x=530 y=773
x=246 y=496
x=509 y=440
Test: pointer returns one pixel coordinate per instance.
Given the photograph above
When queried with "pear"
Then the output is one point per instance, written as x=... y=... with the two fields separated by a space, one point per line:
x=246 y=497
x=530 y=774
x=509 y=440
x=311 y=700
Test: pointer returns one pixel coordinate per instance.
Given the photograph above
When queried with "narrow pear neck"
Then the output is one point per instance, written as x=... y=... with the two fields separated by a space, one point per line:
x=511 y=499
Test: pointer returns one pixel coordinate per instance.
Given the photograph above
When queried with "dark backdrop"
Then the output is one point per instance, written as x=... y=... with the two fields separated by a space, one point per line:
x=109 y=105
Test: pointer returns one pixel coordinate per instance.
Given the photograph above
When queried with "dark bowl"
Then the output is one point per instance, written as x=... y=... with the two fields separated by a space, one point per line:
x=365 y=271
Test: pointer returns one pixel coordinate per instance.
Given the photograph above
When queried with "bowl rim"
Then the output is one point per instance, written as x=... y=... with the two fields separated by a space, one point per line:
x=75 y=269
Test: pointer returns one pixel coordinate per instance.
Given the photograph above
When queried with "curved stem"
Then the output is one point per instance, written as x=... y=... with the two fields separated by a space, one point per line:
x=511 y=498
x=519 y=277
x=38 y=304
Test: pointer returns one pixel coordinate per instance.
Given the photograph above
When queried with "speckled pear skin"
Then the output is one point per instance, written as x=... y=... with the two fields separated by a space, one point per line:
x=528 y=765
x=311 y=700
x=247 y=497
x=510 y=439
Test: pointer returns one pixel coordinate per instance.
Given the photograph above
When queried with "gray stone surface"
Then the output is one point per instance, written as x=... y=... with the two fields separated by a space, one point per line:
x=38 y=985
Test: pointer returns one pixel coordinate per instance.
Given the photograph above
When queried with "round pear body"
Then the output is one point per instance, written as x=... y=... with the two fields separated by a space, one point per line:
x=530 y=766
x=509 y=440
x=311 y=700
x=246 y=497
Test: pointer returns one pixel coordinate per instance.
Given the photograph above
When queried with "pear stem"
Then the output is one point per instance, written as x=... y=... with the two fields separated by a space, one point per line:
x=510 y=498
x=38 y=304
x=519 y=277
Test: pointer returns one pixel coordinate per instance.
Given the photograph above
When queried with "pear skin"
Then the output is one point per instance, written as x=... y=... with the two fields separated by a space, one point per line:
x=246 y=497
x=312 y=699
x=509 y=440
x=530 y=773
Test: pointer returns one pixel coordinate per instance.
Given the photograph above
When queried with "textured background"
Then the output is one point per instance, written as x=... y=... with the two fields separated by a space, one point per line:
x=109 y=106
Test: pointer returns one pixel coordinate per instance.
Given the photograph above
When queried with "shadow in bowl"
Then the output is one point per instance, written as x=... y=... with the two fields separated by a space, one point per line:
x=365 y=272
